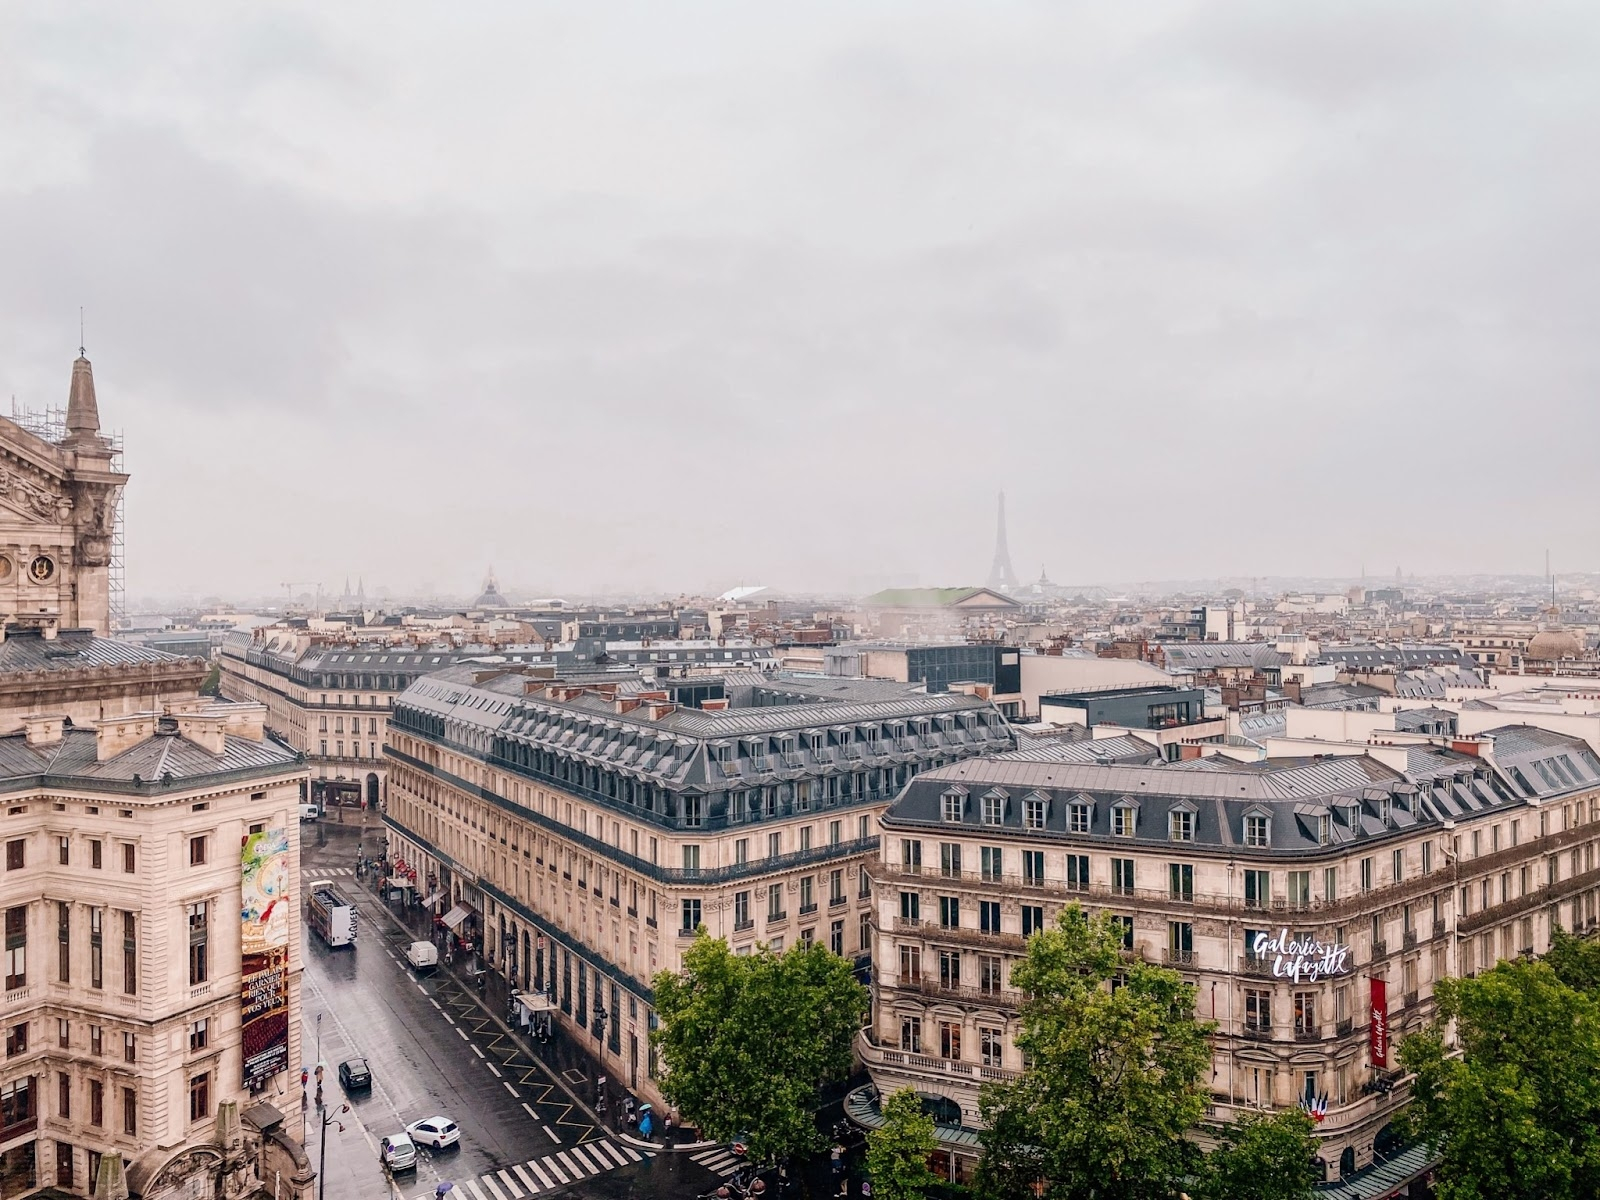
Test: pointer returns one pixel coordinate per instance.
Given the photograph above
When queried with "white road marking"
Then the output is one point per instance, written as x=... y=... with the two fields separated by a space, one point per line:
x=549 y=1161
x=705 y=1154
x=582 y=1160
x=448 y=1017
x=553 y=1137
x=431 y=1000
x=463 y=1034
x=495 y=1069
x=476 y=1191
x=422 y=989
x=494 y=1187
x=567 y=1162
x=545 y=1179
x=612 y=1150
x=505 y=1178
x=478 y=1052
x=632 y=1153
x=508 y=1087
x=526 y=1179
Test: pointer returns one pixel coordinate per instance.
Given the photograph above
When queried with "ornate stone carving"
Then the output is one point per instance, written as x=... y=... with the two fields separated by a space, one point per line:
x=31 y=497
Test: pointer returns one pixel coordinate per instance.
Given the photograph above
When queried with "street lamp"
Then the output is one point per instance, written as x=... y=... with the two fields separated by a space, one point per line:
x=328 y=1118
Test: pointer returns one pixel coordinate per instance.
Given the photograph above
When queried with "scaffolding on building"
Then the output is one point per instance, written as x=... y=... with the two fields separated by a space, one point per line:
x=50 y=425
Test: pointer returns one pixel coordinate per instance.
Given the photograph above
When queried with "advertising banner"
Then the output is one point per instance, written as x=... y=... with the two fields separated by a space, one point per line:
x=264 y=917
x=1379 y=1033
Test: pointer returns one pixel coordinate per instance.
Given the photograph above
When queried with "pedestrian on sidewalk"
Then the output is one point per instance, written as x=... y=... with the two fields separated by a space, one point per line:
x=666 y=1129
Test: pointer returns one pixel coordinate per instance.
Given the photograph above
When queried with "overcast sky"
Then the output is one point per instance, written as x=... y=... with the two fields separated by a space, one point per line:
x=678 y=296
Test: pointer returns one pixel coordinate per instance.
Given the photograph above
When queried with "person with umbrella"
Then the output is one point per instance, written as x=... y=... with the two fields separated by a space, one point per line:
x=647 y=1120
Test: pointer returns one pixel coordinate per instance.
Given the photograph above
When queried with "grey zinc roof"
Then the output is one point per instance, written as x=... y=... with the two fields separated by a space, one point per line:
x=151 y=761
x=27 y=650
x=1123 y=748
x=1199 y=656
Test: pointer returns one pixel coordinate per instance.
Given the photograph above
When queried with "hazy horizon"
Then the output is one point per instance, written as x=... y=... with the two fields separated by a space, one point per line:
x=659 y=300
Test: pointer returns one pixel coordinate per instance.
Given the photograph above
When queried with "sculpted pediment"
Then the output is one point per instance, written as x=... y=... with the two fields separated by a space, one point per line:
x=26 y=494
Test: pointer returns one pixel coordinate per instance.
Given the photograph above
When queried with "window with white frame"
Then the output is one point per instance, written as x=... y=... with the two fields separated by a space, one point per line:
x=1078 y=818
x=994 y=810
x=1180 y=825
x=951 y=807
x=1033 y=812
x=1257 y=830
x=1124 y=818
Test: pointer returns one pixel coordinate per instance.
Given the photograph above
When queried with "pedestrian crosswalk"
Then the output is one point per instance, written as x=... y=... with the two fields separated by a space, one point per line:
x=557 y=1170
x=333 y=872
x=719 y=1159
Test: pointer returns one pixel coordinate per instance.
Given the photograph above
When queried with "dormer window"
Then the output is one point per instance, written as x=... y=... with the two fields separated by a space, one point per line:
x=1078 y=817
x=1180 y=825
x=1033 y=813
x=757 y=753
x=950 y=807
x=1124 y=819
x=1257 y=830
x=994 y=809
x=1324 y=829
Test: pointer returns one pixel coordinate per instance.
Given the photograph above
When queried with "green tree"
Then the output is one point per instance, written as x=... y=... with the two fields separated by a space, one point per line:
x=1116 y=1076
x=1517 y=1115
x=213 y=682
x=1576 y=961
x=897 y=1151
x=747 y=1040
x=1263 y=1156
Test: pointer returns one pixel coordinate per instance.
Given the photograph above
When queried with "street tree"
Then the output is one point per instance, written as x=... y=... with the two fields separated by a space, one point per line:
x=1263 y=1156
x=1576 y=961
x=1517 y=1115
x=898 y=1150
x=1117 y=1067
x=747 y=1040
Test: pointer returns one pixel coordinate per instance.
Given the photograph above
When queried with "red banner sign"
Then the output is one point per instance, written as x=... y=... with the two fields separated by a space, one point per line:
x=1379 y=1032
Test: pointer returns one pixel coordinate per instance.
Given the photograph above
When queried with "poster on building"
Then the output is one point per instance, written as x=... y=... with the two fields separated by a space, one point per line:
x=1379 y=1033
x=264 y=917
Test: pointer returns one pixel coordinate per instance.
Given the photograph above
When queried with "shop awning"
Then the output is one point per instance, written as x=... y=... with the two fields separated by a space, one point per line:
x=456 y=915
x=535 y=1001
x=432 y=900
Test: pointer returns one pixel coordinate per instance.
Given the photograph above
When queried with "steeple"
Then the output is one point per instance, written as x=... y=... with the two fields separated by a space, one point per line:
x=83 y=414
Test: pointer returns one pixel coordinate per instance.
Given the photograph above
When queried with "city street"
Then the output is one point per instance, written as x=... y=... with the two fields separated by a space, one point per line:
x=432 y=1050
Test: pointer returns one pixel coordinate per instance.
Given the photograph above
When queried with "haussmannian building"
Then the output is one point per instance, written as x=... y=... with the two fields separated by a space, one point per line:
x=149 y=884
x=586 y=830
x=1308 y=899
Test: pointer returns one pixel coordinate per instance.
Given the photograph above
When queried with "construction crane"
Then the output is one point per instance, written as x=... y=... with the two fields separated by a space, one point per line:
x=288 y=588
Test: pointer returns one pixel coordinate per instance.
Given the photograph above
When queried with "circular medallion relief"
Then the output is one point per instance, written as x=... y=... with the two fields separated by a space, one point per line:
x=42 y=569
x=6 y=566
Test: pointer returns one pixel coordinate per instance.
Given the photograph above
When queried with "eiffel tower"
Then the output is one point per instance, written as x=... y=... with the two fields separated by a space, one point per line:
x=1001 y=577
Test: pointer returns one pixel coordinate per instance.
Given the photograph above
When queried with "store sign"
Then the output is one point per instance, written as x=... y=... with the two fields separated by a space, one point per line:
x=1304 y=960
x=264 y=920
x=1378 y=1033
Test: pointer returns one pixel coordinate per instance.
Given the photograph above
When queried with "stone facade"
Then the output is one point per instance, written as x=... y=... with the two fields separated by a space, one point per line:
x=1420 y=861
x=58 y=504
x=588 y=830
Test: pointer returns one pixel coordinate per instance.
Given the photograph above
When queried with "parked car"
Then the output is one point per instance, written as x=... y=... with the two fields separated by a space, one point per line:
x=438 y=1132
x=309 y=812
x=398 y=1153
x=354 y=1074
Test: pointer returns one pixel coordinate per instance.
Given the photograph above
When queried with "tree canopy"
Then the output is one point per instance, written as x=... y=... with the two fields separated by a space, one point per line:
x=1517 y=1115
x=1117 y=1074
x=747 y=1040
x=1263 y=1156
x=897 y=1152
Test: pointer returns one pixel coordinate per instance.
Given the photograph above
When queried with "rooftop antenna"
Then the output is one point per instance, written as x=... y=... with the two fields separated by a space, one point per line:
x=81 y=353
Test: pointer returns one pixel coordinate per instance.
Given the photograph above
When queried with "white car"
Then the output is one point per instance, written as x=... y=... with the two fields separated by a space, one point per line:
x=438 y=1132
x=308 y=812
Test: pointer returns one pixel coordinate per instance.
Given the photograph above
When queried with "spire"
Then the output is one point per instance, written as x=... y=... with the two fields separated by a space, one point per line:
x=83 y=414
x=1001 y=577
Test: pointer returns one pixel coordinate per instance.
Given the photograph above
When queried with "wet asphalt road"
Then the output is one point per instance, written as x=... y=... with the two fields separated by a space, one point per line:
x=433 y=1051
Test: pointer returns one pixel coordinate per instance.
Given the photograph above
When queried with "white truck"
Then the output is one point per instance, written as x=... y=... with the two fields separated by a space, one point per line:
x=332 y=916
x=423 y=956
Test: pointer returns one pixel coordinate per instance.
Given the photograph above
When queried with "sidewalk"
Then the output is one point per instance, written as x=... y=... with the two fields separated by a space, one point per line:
x=560 y=1058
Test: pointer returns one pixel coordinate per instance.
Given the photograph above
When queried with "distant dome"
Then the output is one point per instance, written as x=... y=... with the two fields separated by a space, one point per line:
x=1552 y=644
x=490 y=597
